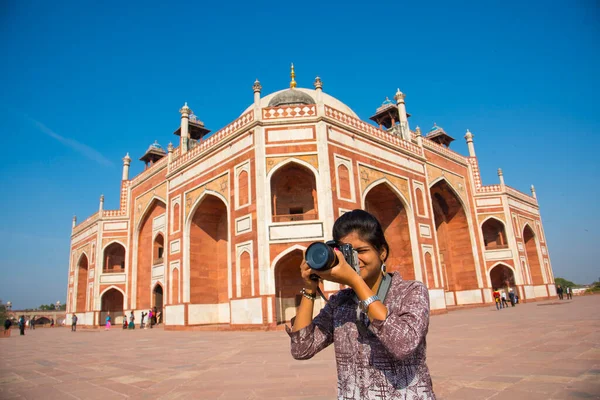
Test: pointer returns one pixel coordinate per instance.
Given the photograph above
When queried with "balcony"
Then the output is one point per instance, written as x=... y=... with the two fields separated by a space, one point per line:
x=309 y=216
x=158 y=261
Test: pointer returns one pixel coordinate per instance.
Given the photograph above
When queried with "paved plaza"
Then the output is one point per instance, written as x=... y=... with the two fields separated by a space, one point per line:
x=546 y=350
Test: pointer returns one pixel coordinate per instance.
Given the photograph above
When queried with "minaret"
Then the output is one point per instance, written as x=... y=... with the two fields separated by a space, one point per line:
x=470 y=145
x=170 y=155
x=101 y=207
x=404 y=129
x=257 y=88
x=126 y=163
x=318 y=84
x=501 y=176
x=293 y=76
x=74 y=221
x=185 y=112
x=533 y=192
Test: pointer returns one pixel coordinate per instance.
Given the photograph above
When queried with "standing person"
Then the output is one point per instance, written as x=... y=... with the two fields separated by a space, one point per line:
x=108 y=320
x=131 y=321
x=7 y=324
x=504 y=303
x=569 y=293
x=52 y=323
x=22 y=325
x=74 y=323
x=496 y=295
x=559 y=291
x=150 y=318
x=511 y=297
x=380 y=346
x=125 y=324
x=155 y=315
x=142 y=321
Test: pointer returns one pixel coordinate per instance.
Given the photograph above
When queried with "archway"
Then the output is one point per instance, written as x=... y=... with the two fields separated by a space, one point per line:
x=145 y=254
x=208 y=252
x=157 y=297
x=535 y=267
x=112 y=301
x=114 y=258
x=454 y=240
x=494 y=234
x=82 y=280
x=158 y=249
x=293 y=194
x=387 y=207
x=502 y=276
x=288 y=283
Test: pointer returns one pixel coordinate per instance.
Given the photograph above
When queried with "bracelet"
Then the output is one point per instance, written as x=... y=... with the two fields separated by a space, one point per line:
x=308 y=295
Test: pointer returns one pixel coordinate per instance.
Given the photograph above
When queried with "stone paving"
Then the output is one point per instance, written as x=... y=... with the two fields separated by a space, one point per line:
x=547 y=350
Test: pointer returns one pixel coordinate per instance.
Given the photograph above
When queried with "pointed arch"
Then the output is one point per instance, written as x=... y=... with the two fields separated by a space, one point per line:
x=288 y=283
x=82 y=268
x=499 y=273
x=225 y=270
x=116 y=257
x=398 y=222
x=493 y=230
x=295 y=202
x=531 y=243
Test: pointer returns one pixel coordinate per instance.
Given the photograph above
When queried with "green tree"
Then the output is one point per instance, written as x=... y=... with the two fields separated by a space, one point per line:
x=564 y=283
x=3 y=312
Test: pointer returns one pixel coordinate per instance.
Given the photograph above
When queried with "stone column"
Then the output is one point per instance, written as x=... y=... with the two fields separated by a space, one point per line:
x=170 y=154
x=185 y=112
x=533 y=192
x=126 y=163
x=404 y=129
x=501 y=176
x=101 y=207
x=470 y=145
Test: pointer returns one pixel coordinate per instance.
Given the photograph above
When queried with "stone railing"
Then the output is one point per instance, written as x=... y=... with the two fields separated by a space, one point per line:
x=289 y=112
x=444 y=150
x=489 y=189
x=212 y=140
x=113 y=213
x=85 y=223
x=151 y=169
x=520 y=195
x=372 y=131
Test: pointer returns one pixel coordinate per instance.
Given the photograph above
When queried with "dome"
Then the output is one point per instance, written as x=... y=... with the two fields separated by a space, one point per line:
x=291 y=97
x=310 y=94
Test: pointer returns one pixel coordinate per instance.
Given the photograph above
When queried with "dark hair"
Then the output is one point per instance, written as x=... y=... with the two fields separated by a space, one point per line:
x=365 y=225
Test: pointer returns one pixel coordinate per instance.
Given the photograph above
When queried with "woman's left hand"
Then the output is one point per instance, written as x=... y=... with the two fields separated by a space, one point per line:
x=342 y=273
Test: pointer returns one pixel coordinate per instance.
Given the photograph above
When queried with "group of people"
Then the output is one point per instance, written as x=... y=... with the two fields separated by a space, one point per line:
x=153 y=314
x=561 y=292
x=501 y=300
x=23 y=323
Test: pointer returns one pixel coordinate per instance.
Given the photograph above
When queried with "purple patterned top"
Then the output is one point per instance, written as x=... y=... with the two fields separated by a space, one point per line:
x=388 y=361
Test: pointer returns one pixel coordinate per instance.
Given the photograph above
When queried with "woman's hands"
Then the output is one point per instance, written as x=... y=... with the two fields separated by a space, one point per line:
x=342 y=273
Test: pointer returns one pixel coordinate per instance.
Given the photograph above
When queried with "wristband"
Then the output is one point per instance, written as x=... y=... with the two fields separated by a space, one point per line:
x=308 y=295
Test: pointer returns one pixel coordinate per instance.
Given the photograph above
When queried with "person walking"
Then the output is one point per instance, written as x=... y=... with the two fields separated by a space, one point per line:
x=22 y=325
x=74 y=323
x=108 y=320
x=496 y=295
x=7 y=325
x=559 y=291
x=131 y=321
x=503 y=298
x=511 y=296
x=142 y=321
x=150 y=318
x=52 y=323
x=569 y=292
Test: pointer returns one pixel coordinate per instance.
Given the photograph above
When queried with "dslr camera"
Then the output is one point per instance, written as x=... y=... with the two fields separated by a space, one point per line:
x=321 y=257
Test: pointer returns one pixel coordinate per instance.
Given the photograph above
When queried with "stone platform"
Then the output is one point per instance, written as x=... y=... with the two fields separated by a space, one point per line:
x=545 y=350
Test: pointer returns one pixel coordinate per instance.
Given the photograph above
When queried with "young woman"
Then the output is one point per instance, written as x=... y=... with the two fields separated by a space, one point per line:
x=379 y=346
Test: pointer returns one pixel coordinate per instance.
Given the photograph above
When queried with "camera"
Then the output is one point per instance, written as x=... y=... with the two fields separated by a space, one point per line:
x=321 y=257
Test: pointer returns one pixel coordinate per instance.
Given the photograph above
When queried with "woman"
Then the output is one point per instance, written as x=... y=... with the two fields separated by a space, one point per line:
x=107 y=327
x=380 y=351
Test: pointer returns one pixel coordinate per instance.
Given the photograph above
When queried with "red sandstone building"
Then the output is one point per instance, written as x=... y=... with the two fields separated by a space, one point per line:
x=213 y=231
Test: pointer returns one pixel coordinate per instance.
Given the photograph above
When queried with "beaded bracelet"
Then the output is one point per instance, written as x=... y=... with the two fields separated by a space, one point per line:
x=307 y=295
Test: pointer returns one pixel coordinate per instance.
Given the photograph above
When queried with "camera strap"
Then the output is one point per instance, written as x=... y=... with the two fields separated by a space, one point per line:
x=382 y=292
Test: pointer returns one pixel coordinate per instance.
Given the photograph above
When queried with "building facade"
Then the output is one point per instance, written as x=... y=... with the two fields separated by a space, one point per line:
x=213 y=231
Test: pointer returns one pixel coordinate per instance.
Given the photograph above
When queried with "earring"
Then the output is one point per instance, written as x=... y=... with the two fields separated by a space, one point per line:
x=383 y=268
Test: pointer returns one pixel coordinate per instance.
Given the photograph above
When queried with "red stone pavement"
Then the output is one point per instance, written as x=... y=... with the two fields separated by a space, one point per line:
x=547 y=350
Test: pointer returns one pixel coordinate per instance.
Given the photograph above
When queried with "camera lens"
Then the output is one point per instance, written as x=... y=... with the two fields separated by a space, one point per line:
x=319 y=256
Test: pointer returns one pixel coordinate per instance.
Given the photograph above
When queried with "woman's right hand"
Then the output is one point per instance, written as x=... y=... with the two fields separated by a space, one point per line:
x=306 y=272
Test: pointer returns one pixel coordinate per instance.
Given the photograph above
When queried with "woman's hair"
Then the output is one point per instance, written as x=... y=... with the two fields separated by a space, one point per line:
x=365 y=225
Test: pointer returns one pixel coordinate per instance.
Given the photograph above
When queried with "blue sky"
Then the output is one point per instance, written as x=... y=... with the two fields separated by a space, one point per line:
x=83 y=84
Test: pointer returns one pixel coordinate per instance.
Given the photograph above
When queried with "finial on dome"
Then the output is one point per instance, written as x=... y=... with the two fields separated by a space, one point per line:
x=293 y=76
x=257 y=87
x=318 y=83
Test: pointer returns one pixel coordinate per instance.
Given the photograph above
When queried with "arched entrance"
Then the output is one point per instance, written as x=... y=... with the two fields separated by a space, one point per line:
x=208 y=252
x=502 y=277
x=157 y=297
x=145 y=254
x=114 y=258
x=454 y=240
x=288 y=283
x=82 y=279
x=112 y=301
x=494 y=235
x=293 y=194
x=387 y=207
x=535 y=267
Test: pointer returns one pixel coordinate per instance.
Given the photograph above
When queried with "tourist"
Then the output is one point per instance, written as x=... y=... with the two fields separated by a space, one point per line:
x=22 y=325
x=559 y=291
x=496 y=295
x=32 y=322
x=511 y=296
x=131 y=321
x=125 y=321
x=155 y=316
x=158 y=317
x=108 y=320
x=569 y=292
x=503 y=297
x=7 y=324
x=142 y=322
x=74 y=323
x=150 y=318
x=52 y=323
x=516 y=298
x=380 y=345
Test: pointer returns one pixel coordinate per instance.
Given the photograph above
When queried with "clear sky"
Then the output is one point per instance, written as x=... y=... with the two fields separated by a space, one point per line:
x=84 y=83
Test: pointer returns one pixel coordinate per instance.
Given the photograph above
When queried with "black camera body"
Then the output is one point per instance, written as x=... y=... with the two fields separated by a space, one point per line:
x=321 y=257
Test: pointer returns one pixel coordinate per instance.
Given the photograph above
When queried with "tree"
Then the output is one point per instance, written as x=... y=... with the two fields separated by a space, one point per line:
x=3 y=312
x=564 y=283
